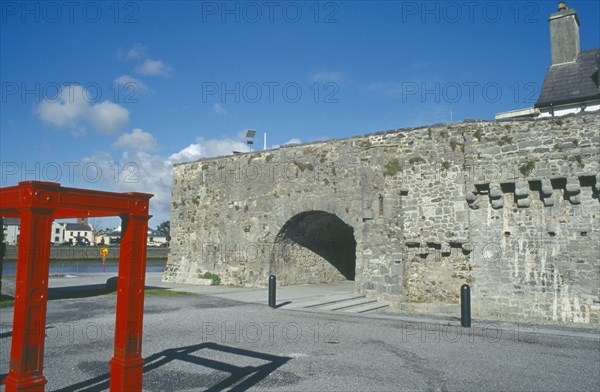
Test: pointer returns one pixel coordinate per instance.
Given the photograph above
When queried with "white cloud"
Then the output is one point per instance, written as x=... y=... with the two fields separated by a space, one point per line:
x=134 y=171
x=207 y=149
x=129 y=85
x=139 y=171
x=154 y=67
x=137 y=140
x=137 y=52
x=219 y=109
x=108 y=116
x=74 y=109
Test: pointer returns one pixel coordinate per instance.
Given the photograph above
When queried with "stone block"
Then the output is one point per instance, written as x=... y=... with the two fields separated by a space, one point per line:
x=498 y=203
x=523 y=203
x=573 y=185
x=446 y=249
x=397 y=269
x=495 y=191
x=470 y=196
x=521 y=189
x=546 y=188
x=549 y=202
x=575 y=199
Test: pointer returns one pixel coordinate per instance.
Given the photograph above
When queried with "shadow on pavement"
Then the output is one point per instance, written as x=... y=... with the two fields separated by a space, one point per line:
x=83 y=291
x=240 y=378
x=283 y=304
x=90 y=290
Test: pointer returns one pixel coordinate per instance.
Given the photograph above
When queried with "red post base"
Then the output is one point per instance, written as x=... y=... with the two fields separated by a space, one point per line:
x=13 y=382
x=126 y=376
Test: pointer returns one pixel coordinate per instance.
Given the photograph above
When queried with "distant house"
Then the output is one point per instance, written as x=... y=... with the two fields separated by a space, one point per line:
x=12 y=228
x=571 y=82
x=58 y=232
x=108 y=237
x=79 y=234
x=57 y=235
x=156 y=239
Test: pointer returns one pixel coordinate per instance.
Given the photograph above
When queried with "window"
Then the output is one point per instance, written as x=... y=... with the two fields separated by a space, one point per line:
x=57 y=230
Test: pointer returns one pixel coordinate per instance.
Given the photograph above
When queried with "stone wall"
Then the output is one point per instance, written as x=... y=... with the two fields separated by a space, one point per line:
x=511 y=208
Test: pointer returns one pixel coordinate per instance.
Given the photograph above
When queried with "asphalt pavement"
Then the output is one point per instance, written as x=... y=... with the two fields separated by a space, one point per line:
x=225 y=338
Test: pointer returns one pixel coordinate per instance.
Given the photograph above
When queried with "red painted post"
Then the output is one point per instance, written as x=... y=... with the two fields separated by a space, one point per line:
x=126 y=366
x=31 y=295
x=37 y=204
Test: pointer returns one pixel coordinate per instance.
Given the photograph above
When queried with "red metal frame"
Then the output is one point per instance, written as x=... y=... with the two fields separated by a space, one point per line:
x=38 y=204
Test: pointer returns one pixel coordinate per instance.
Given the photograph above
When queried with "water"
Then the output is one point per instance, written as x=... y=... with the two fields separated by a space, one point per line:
x=75 y=267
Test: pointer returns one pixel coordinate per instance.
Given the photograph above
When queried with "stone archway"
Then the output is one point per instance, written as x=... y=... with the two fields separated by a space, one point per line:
x=314 y=247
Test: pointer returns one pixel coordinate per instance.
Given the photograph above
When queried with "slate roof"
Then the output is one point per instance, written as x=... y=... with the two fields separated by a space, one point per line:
x=11 y=221
x=78 y=227
x=572 y=82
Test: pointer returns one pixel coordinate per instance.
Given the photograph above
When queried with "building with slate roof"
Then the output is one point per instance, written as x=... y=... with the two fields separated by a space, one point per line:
x=79 y=233
x=571 y=82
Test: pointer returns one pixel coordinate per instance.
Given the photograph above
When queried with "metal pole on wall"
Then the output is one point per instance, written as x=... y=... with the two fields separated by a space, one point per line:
x=465 y=306
x=272 y=284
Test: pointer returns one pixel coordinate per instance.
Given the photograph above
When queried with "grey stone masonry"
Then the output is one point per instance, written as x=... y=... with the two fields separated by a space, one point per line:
x=510 y=208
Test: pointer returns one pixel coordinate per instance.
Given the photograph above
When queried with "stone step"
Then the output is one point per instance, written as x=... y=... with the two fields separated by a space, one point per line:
x=367 y=307
x=331 y=300
x=344 y=304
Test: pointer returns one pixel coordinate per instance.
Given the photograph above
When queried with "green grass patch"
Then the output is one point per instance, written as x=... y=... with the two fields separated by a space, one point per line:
x=304 y=166
x=166 y=293
x=527 y=168
x=392 y=168
x=216 y=280
x=414 y=160
x=6 y=303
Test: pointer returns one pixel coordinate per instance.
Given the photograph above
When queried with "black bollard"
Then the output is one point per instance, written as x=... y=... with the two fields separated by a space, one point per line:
x=272 y=285
x=465 y=306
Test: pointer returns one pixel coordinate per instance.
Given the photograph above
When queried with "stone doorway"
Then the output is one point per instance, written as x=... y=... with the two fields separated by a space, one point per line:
x=314 y=247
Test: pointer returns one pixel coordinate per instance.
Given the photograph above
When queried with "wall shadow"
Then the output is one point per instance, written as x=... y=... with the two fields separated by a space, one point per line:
x=324 y=234
x=240 y=378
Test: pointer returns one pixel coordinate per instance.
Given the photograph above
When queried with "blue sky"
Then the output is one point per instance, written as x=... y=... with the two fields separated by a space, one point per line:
x=108 y=95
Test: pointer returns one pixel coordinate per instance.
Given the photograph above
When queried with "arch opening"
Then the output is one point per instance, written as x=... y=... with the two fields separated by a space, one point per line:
x=314 y=247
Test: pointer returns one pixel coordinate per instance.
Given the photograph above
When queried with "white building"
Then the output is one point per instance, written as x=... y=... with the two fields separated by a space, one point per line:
x=79 y=233
x=57 y=236
x=12 y=228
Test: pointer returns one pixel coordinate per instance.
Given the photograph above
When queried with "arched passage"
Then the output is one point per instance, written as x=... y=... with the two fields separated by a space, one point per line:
x=314 y=247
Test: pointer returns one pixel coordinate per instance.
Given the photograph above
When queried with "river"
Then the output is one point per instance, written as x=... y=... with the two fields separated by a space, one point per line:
x=74 y=267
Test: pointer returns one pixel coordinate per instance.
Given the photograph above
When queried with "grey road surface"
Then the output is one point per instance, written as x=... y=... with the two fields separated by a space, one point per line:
x=204 y=342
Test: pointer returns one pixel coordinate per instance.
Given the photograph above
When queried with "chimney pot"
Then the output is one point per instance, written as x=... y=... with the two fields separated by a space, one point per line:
x=562 y=6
